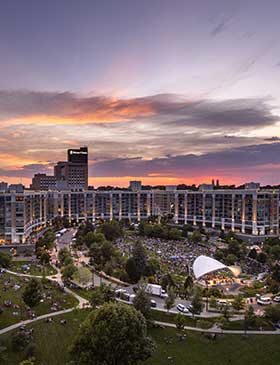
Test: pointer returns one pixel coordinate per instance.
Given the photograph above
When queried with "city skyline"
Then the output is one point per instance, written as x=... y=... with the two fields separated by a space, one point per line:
x=163 y=92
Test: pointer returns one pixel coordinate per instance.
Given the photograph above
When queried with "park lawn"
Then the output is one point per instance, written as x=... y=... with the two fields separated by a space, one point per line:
x=225 y=349
x=18 y=311
x=35 y=269
x=53 y=340
x=239 y=325
x=84 y=293
x=83 y=275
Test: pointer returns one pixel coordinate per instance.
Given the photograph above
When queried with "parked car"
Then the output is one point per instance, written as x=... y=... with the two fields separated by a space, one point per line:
x=182 y=308
x=153 y=303
x=264 y=301
x=222 y=302
x=276 y=299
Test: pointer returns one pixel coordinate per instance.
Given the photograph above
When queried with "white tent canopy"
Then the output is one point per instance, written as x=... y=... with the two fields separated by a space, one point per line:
x=204 y=265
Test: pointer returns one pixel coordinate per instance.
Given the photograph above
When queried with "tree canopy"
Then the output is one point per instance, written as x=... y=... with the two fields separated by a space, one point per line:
x=115 y=334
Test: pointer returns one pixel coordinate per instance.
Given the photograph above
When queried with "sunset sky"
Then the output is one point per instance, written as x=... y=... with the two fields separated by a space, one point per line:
x=166 y=91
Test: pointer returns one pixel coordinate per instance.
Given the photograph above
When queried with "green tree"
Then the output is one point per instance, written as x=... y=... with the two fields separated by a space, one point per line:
x=249 y=318
x=32 y=293
x=180 y=321
x=136 y=264
x=196 y=237
x=272 y=312
x=275 y=252
x=44 y=258
x=253 y=254
x=152 y=267
x=68 y=271
x=170 y=299
x=94 y=237
x=174 y=234
x=63 y=254
x=196 y=304
x=140 y=256
x=102 y=294
x=5 y=259
x=142 y=303
x=225 y=309
x=115 y=334
x=275 y=274
x=111 y=230
x=238 y=302
x=231 y=259
x=167 y=281
x=262 y=257
x=132 y=270
x=213 y=302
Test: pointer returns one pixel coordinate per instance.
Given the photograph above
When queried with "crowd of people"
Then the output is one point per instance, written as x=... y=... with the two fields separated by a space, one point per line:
x=175 y=256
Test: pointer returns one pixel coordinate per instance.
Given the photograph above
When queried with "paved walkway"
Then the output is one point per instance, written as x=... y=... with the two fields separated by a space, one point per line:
x=218 y=330
x=28 y=321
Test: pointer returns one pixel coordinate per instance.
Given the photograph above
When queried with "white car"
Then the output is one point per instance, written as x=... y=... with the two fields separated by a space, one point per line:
x=264 y=301
x=182 y=308
x=276 y=299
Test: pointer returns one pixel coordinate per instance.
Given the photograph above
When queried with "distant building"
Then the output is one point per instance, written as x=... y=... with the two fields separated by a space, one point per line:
x=202 y=187
x=170 y=187
x=135 y=185
x=252 y=185
x=3 y=186
x=16 y=188
x=73 y=174
x=43 y=182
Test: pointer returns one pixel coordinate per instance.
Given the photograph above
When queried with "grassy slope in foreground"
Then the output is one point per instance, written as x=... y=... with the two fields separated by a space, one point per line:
x=53 y=339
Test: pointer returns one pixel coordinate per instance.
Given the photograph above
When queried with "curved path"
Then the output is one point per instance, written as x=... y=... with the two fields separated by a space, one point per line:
x=28 y=321
x=57 y=278
x=218 y=330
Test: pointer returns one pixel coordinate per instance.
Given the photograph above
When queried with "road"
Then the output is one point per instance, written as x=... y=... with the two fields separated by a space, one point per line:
x=65 y=241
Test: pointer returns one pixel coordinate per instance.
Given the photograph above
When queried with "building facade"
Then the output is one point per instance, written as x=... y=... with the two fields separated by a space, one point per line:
x=43 y=182
x=255 y=212
x=73 y=174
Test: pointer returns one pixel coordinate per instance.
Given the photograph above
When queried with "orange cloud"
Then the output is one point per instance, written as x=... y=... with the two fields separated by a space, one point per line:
x=14 y=161
x=108 y=111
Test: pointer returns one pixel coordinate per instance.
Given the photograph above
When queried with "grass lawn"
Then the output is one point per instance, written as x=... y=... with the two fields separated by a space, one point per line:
x=83 y=275
x=9 y=291
x=53 y=339
x=35 y=269
x=226 y=349
x=239 y=325
x=86 y=294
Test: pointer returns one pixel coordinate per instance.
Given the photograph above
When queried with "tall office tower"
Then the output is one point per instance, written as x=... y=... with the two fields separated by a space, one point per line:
x=73 y=174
